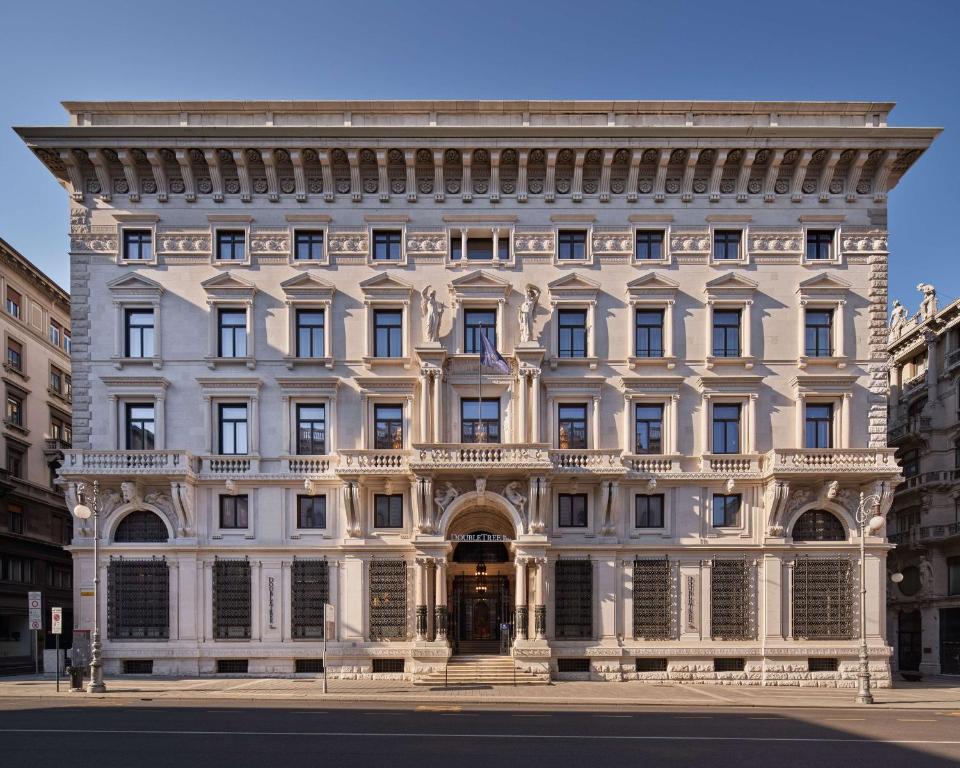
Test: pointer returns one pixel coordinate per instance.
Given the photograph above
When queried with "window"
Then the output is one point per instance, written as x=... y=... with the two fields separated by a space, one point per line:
x=573 y=607
x=138 y=245
x=648 y=333
x=138 y=606
x=818 y=525
x=311 y=511
x=476 y=322
x=15 y=458
x=311 y=430
x=233 y=511
x=572 y=426
x=14 y=410
x=15 y=354
x=572 y=245
x=479 y=420
x=388 y=603
x=13 y=302
x=572 y=510
x=140 y=426
x=231 y=244
x=726 y=510
x=310 y=589
x=141 y=526
x=386 y=244
x=139 y=333
x=910 y=462
x=388 y=426
x=732 y=600
x=726 y=333
x=726 y=428
x=572 y=333
x=726 y=244
x=60 y=430
x=56 y=333
x=479 y=248
x=67 y=341
x=953 y=575
x=233 y=429
x=56 y=379
x=818 y=333
x=819 y=244
x=233 y=333
x=387 y=333
x=649 y=245
x=68 y=386
x=308 y=245
x=648 y=428
x=16 y=518
x=310 y=332
x=818 y=425
x=823 y=604
x=387 y=510
x=648 y=511
x=231 y=602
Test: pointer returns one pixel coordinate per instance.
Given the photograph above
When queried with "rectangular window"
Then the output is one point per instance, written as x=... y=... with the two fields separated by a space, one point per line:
x=479 y=420
x=15 y=460
x=388 y=427
x=653 y=603
x=311 y=430
x=13 y=302
x=572 y=510
x=573 y=607
x=572 y=333
x=572 y=245
x=67 y=341
x=648 y=333
x=56 y=379
x=138 y=599
x=819 y=244
x=16 y=518
x=55 y=334
x=14 y=410
x=475 y=323
x=823 y=604
x=61 y=430
x=388 y=510
x=311 y=511
x=650 y=245
x=726 y=510
x=732 y=600
x=818 y=425
x=139 y=333
x=726 y=244
x=310 y=332
x=953 y=575
x=648 y=511
x=15 y=354
x=726 y=428
x=231 y=244
x=68 y=386
x=386 y=244
x=478 y=248
x=818 y=333
x=231 y=601
x=233 y=511
x=310 y=589
x=726 y=333
x=140 y=426
x=648 y=428
x=233 y=333
x=233 y=429
x=910 y=462
x=137 y=245
x=572 y=426
x=388 y=601
x=308 y=245
x=388 y=333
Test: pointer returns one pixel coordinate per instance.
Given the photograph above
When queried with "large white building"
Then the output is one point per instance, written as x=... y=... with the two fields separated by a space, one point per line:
x=277 y=313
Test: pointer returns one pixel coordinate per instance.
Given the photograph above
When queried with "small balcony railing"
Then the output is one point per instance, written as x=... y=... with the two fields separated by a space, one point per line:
x=161 y=462
x=938 y=532
x=488 y=457
x=310 y=465
x=904 y=428
x=650 y=463
x=914 y=385
x=727 y=464
x=831 y=460
x=384 y=461
x=587 y=460
x=229 y=464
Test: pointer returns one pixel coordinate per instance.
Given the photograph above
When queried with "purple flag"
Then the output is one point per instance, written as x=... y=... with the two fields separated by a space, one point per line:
x=490 y=357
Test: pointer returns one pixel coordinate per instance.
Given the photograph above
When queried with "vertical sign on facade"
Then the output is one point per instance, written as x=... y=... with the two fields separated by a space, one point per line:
x=271 y=590
x=690 y=604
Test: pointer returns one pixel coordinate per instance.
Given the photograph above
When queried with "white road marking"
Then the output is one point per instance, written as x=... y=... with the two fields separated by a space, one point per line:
x=907 y=720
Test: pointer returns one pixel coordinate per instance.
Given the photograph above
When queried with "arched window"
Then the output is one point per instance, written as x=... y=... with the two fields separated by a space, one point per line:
x=818 y=525
x=141 y=526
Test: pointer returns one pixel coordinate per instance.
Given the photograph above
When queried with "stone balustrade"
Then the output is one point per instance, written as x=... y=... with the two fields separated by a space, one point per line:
x=373 y=461
x=588 y=460
x=830 y=460
x=489 y=457
x=78 y=462
x=650 y=464
x=725 y=465
x=229 y=465
x=310 y=465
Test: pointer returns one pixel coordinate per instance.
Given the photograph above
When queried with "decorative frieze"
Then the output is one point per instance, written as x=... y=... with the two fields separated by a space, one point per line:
x=348 y=243
x=533 y=243
x=427 y=243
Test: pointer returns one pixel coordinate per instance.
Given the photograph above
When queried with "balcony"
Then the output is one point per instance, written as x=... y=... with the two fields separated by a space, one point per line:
x=229 y=464
x=953 y=359
x=310 y=465
x=731 y=464
x=945 y=478
x=913 y=386
x=587 y=461
x=939 y=532
x=814 y=461
x=141 y=463
x=483 y=457
x=374 y=462
x=650 y=463
x=903 y=429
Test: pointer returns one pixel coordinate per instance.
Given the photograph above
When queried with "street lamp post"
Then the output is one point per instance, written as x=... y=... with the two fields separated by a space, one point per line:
x=83 y=512
x=868 y=522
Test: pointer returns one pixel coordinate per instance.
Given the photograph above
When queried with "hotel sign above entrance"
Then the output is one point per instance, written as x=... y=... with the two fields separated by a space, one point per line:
x=485 y=537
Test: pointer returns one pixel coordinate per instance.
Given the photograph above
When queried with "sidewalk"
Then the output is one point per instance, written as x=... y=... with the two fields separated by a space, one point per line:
x=941 y=693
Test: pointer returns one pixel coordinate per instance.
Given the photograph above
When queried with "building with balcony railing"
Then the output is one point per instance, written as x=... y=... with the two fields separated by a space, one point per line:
x=37 y=429
x=284 y=311
x=924 y=616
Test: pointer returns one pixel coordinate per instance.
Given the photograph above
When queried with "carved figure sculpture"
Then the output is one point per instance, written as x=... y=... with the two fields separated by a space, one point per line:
x=432 y=311
x=926 y=575
x=898 y=318
x=928 y=306
x=516 y=497
x=128 y=491
x=531 y=298
x=445 y=497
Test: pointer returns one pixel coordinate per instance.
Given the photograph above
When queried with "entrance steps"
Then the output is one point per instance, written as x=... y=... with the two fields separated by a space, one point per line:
x=480 y=669
x=477 y=647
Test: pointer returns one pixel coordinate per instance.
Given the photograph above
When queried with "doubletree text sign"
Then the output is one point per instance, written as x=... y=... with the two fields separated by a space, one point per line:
x=34 y=605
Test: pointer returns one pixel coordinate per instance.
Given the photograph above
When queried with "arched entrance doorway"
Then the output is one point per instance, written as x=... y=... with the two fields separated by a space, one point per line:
x=481 y=602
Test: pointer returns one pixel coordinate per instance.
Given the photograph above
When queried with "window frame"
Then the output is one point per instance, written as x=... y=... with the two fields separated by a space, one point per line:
x=463 y=401
x=8 y=303
x=220 y=311
x=222 y=502
x=128 y=311
x=125 y=244
x=664 y=244
x=830 y=421
x=298 y=329
x=644 y=310
x=738 y=512
x=725 y=232
x=582 y=406
x=723 y=309
x=221 y=422
x=231 y=231
x=636 y=511
x=475 y=309
x=379 y=231
x=816 y=352
x=401 y=421
x=563 y=233
x=19 y=367
x=314 y=497
x=298 y=420
x=573 y=519
x=832 y=245
x=739 y=430
x=377 y=311
x=388 y=521
x=561 y=311
x=636 y=406
x=312 y=232
x=129 y=421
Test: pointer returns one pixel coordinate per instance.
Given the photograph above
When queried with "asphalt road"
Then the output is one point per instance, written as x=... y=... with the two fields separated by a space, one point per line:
x=212 y=734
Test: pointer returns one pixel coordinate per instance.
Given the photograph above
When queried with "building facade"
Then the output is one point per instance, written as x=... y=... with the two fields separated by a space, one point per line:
x=34 y=524
x=924 y=608
x=280 y=313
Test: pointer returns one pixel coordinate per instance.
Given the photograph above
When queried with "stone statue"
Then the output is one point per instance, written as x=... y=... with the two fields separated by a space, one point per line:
x=926 y=575
x=928 y=306
x=531 y=298
x=445 y=497
x=515 y=497
x=898 y=318
x=432 y=311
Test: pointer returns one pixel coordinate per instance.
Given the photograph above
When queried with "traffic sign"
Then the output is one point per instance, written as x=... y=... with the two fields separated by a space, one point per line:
x=56 y=620
x=34 y=605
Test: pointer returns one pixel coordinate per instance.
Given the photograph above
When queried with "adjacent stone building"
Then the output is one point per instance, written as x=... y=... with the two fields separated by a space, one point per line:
x=924 y=616
x=34 y=524
x=281 y=310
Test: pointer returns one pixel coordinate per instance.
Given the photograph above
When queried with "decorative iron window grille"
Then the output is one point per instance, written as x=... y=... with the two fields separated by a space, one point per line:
x=650 y=665
x=818 y=525
x=573 y=606
x=388 y=599
x=231 y=599
x=653 y=604
x=725 y=664
x=232 y=666
x=141 y=526
x=573 y=665
x=138 y=599
x=137 y=667
x=823 y=590
x=388 y=666
x=732 y=609
x=310 y=589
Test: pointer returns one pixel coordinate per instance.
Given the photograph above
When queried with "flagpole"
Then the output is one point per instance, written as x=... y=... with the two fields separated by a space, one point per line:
x=476 y=427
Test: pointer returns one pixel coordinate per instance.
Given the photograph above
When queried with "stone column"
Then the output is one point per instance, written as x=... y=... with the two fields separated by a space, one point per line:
x=437 y=394
x=424 y=431
x=440 y=597
x=522 y=612
x=932 y=368
x=540 y=608
x=420 y=587
x=523 y=432
x=535 y=408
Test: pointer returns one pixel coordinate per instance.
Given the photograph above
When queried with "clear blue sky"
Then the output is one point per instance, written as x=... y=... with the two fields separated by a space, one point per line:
x=674 y=49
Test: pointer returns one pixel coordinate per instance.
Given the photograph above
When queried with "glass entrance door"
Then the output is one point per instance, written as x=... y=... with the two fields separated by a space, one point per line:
x=480 y=610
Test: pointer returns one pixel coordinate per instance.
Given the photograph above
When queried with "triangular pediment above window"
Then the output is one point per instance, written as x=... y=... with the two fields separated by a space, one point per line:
x=731 y=281
x=652 y=284
x=824 y=282
x=134 y=283
x=227 y=282
x=307 y=286
x=481 y=284
x=385 y=283
x=573 y=282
